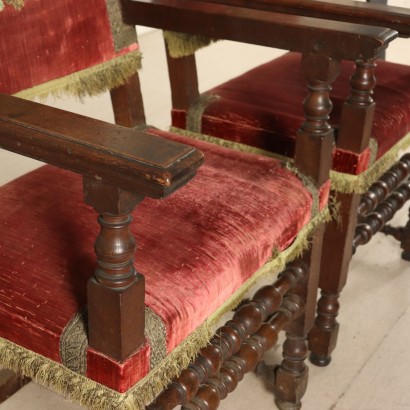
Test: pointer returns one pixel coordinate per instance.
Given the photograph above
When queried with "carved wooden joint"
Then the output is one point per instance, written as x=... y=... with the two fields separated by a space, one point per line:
x=116 y=291
x=315 y=137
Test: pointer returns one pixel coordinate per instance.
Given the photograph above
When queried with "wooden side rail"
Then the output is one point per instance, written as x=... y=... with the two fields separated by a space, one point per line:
x=129 y=159
x=358 y=12
x=303 y=34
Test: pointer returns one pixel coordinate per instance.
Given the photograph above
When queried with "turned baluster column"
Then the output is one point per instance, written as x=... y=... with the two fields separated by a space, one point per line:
x=354 y=136
x=116 y=291
x=313 y=158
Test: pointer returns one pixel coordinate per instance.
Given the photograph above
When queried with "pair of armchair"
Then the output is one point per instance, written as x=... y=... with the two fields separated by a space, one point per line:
x=201 y=250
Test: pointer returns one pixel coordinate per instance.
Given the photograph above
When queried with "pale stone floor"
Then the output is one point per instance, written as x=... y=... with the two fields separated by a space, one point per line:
x=369 y=370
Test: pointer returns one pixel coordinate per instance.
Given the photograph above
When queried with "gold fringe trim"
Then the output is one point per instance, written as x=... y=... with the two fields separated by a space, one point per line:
x=308 y=184
x=196 y=111
x=183 y=45
x=341 y=182
x=90 y=81
x=17 y=4
x=95 y=396
x=349 y=184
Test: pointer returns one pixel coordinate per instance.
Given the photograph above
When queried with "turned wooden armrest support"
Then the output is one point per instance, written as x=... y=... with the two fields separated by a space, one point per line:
x=120 y=166
x=396 y=18
x=336 y=40
x=126 y=158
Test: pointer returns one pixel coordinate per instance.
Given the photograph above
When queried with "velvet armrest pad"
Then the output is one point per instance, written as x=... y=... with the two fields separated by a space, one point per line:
x=130 y=159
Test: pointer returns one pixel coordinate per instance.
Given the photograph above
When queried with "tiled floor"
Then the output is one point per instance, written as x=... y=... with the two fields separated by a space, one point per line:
x=369 y=370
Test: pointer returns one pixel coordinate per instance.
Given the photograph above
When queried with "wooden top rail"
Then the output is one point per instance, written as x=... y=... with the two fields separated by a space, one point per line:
x=396 y=18
x=130 y=159
x=303 y=34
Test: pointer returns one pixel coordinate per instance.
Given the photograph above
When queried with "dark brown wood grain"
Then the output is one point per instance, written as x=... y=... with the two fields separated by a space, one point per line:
x=247 y=357
x=356 y=121
x=127 y=103
x=127 y=158
x=184 y=80
x=387 y=183
x=116 y=292
x=384 y=212
x=376 y=14
x=303 y=34
x=10 y=383
x=315 y=138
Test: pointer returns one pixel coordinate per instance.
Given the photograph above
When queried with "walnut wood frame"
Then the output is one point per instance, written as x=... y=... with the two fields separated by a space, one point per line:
x=222 y=19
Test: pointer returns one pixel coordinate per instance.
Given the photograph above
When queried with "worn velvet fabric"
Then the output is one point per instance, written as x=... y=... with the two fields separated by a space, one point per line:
x=47 y=40
x=263 y=108
x=195 y=248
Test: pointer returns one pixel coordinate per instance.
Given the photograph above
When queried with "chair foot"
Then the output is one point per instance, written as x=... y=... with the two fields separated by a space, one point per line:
x=292 y=375
x=319 y=361
x=402 y=234
x=288 y=406
x=405 y=255
x=323 y=336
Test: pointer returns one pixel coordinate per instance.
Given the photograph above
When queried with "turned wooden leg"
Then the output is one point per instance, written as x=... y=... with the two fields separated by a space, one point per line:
x=336 y=255
x=292 y=375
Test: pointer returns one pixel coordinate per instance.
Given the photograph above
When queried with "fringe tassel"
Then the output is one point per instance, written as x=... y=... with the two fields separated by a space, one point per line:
x=90 y=81
x=183 y=45
x=95 y=396
x=341 y=182
x=17 y=4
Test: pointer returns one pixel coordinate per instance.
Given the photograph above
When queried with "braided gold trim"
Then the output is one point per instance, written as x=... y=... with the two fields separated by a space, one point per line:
x=183 y=45
x=95 y=396
x=90 y=81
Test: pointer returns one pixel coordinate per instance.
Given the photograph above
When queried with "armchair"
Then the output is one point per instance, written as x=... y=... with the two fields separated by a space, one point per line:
x=242 y=217
x=259 y=113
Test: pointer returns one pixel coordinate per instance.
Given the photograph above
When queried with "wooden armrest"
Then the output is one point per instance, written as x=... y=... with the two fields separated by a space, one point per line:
x=303 y=34
x=396 y=18
x=130 y=159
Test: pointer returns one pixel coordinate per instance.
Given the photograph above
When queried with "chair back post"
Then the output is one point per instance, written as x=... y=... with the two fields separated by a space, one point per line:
x=116 y=312
x=127 y=103
x=183 y=79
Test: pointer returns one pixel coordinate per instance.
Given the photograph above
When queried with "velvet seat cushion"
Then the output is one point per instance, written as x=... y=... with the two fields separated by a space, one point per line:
x=258 y=110
x=195 y=248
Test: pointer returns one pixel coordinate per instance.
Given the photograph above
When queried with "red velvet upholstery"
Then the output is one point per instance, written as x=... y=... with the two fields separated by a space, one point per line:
x=258 y=110
x=195 y=248
x=46 y=40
